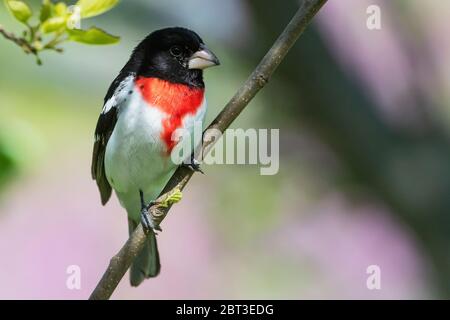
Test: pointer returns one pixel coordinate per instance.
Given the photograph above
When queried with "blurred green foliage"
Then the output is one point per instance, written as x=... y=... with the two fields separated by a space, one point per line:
x=8 y=163
x=56 y=23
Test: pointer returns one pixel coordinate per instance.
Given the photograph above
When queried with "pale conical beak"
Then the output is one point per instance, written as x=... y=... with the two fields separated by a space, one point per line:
x=202 y=59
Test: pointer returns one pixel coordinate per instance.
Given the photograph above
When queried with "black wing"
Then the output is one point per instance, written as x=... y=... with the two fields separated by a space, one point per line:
x=105 y=126
x=104 y=129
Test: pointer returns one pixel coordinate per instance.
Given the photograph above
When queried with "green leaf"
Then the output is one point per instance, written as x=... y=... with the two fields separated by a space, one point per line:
x=19 y=9
x=92 y=36
x=46 y=10
x=38 y=45
x=91 y=8
x=53 y=24
x=60 y=9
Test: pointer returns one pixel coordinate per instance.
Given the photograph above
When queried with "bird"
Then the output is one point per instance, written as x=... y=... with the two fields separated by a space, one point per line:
x=159 y=90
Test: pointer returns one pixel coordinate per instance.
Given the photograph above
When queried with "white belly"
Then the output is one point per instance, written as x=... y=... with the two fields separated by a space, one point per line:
x=136 y=157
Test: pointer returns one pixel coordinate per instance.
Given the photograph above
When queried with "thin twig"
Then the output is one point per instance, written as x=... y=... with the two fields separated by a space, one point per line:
x=28 y=45
x=120 y=263
x=19 y=41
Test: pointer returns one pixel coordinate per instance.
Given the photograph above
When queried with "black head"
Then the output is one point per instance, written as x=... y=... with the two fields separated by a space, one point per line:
x=174 y=54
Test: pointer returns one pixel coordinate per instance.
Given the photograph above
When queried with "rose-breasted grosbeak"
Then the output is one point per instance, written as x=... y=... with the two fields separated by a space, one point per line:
x=159 y=90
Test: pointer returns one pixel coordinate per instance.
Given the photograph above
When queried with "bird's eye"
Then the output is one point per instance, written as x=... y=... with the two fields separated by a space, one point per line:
x=176 y=51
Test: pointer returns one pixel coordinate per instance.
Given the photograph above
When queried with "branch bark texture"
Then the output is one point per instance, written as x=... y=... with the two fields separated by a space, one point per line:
x=120 y=263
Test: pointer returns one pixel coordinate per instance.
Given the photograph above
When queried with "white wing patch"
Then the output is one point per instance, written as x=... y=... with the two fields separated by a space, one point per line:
x=109 y=104
x=120 y=94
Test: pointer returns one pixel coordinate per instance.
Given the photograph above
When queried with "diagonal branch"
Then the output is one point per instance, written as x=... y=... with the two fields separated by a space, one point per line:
x=120 y=263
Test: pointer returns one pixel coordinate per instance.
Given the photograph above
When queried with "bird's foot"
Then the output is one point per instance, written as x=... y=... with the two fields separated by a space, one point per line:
x=147 y=220
x=194 y=165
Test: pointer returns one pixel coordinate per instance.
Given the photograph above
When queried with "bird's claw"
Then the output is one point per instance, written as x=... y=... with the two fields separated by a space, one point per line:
x=147 y=221
x=194 y=165
x=146 y=218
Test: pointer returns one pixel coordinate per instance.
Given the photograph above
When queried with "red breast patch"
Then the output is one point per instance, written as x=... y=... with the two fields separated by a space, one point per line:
x=174 y=99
